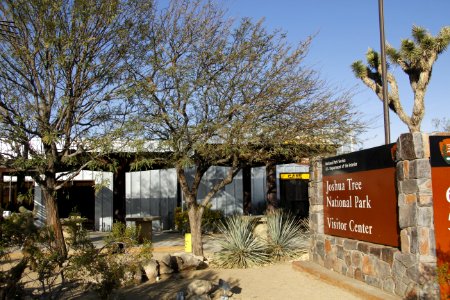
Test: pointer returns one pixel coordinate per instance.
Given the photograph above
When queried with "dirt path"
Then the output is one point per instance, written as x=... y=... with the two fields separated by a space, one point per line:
x=279 y=281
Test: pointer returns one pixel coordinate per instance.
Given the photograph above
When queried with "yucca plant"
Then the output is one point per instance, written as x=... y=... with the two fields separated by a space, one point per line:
x=240 y=247
x=287 y=237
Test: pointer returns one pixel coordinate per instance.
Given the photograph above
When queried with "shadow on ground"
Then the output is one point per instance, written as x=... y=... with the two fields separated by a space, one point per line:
x=168 y=287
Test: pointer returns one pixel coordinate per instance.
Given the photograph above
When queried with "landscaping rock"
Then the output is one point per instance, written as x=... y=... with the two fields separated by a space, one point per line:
x=199 y=297
x=166 y=259
x=199 y=287
x=134 y=276
x=164 y=269
x=165 y=265
x=151 y=270
x=176 y=263
x=190 y=262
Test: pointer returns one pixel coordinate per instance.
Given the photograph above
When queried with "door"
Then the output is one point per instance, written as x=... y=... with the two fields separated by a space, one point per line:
x=294 y=193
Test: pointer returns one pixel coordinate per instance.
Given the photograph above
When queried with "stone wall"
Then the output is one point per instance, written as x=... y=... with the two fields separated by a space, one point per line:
x=409 y=272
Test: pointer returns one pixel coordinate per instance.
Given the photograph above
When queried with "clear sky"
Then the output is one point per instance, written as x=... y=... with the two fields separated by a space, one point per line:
x=345 y=30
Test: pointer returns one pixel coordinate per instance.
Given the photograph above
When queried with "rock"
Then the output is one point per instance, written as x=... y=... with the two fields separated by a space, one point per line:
x=165 y=265
x=166 y=259
x=176 y=263
x=151 y=270
x=199 y=287
x=164 y=269
x=191 y=262
x=134 y=276
x=261 y=230
x=199 y=297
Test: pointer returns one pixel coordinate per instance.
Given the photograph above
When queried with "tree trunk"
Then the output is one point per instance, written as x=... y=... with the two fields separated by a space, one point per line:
x=195 y=220
x=271 y=181
x=1 y=192
x=53 y=216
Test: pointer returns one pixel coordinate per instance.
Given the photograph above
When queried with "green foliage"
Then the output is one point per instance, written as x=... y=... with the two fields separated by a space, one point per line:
x=287 y=237
x=210 y=220
x=45 y=259
x=416 y=58
x=373 y=59
x=121 y=233
x=241 y=248
x=118 y=262
x=76 y=236
x=182 y=220
x=15 y=231
x=359 y=69
x=102 y=269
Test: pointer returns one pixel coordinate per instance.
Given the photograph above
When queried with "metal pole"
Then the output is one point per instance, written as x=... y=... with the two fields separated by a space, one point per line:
x=387 y=133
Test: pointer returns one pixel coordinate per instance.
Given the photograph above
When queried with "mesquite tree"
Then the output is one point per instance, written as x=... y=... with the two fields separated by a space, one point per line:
x=218 y=93
x=416 y=58
x=61 y=69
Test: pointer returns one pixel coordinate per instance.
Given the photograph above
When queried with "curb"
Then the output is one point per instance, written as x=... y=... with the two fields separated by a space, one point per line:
x=357 y=288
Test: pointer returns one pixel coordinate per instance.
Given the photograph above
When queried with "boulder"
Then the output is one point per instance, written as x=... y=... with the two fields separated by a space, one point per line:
x=165 y=265
x=176 y=263
x=191 y=262
x=166 y=260
x=151 y=270
x=199 y=287
x=134 y=276
x=164 y=269
x=199 y=297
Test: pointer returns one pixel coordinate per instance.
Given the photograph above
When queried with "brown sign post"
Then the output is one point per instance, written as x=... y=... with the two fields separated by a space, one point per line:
x=440 y=175
x=359 y=196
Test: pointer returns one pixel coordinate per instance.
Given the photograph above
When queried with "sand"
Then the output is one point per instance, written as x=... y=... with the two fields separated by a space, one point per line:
x=277 y=281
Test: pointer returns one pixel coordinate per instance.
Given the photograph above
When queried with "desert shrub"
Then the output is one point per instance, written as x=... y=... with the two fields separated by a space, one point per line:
x=287 y=236
x=15 y=231
x=116 y=264
x=45 y=259
x=210 y=220
x=121 y=233
x=182 y=220
x=241 y=248
x=103 y=269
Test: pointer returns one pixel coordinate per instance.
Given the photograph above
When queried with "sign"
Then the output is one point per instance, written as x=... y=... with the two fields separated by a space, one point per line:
x=187 y=243
x=294 y=176
x=359 y=196
x=440 y=176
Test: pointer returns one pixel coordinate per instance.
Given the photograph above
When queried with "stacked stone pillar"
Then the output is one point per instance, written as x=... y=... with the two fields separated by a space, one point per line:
x=408 y=271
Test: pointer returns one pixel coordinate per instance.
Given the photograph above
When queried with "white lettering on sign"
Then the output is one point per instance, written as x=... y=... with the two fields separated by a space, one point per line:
x=336 y=224
x=360 y=228
x=448 y=195
x=353 y=185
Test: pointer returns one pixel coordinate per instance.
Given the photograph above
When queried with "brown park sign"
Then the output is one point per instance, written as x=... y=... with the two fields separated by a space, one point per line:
x=440 y=176
x=359 y=196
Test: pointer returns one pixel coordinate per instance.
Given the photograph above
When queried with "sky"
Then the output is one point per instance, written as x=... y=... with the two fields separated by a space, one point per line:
x=344 y=30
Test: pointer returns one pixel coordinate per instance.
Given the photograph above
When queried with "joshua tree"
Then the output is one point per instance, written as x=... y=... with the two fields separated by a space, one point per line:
x=416 y=58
